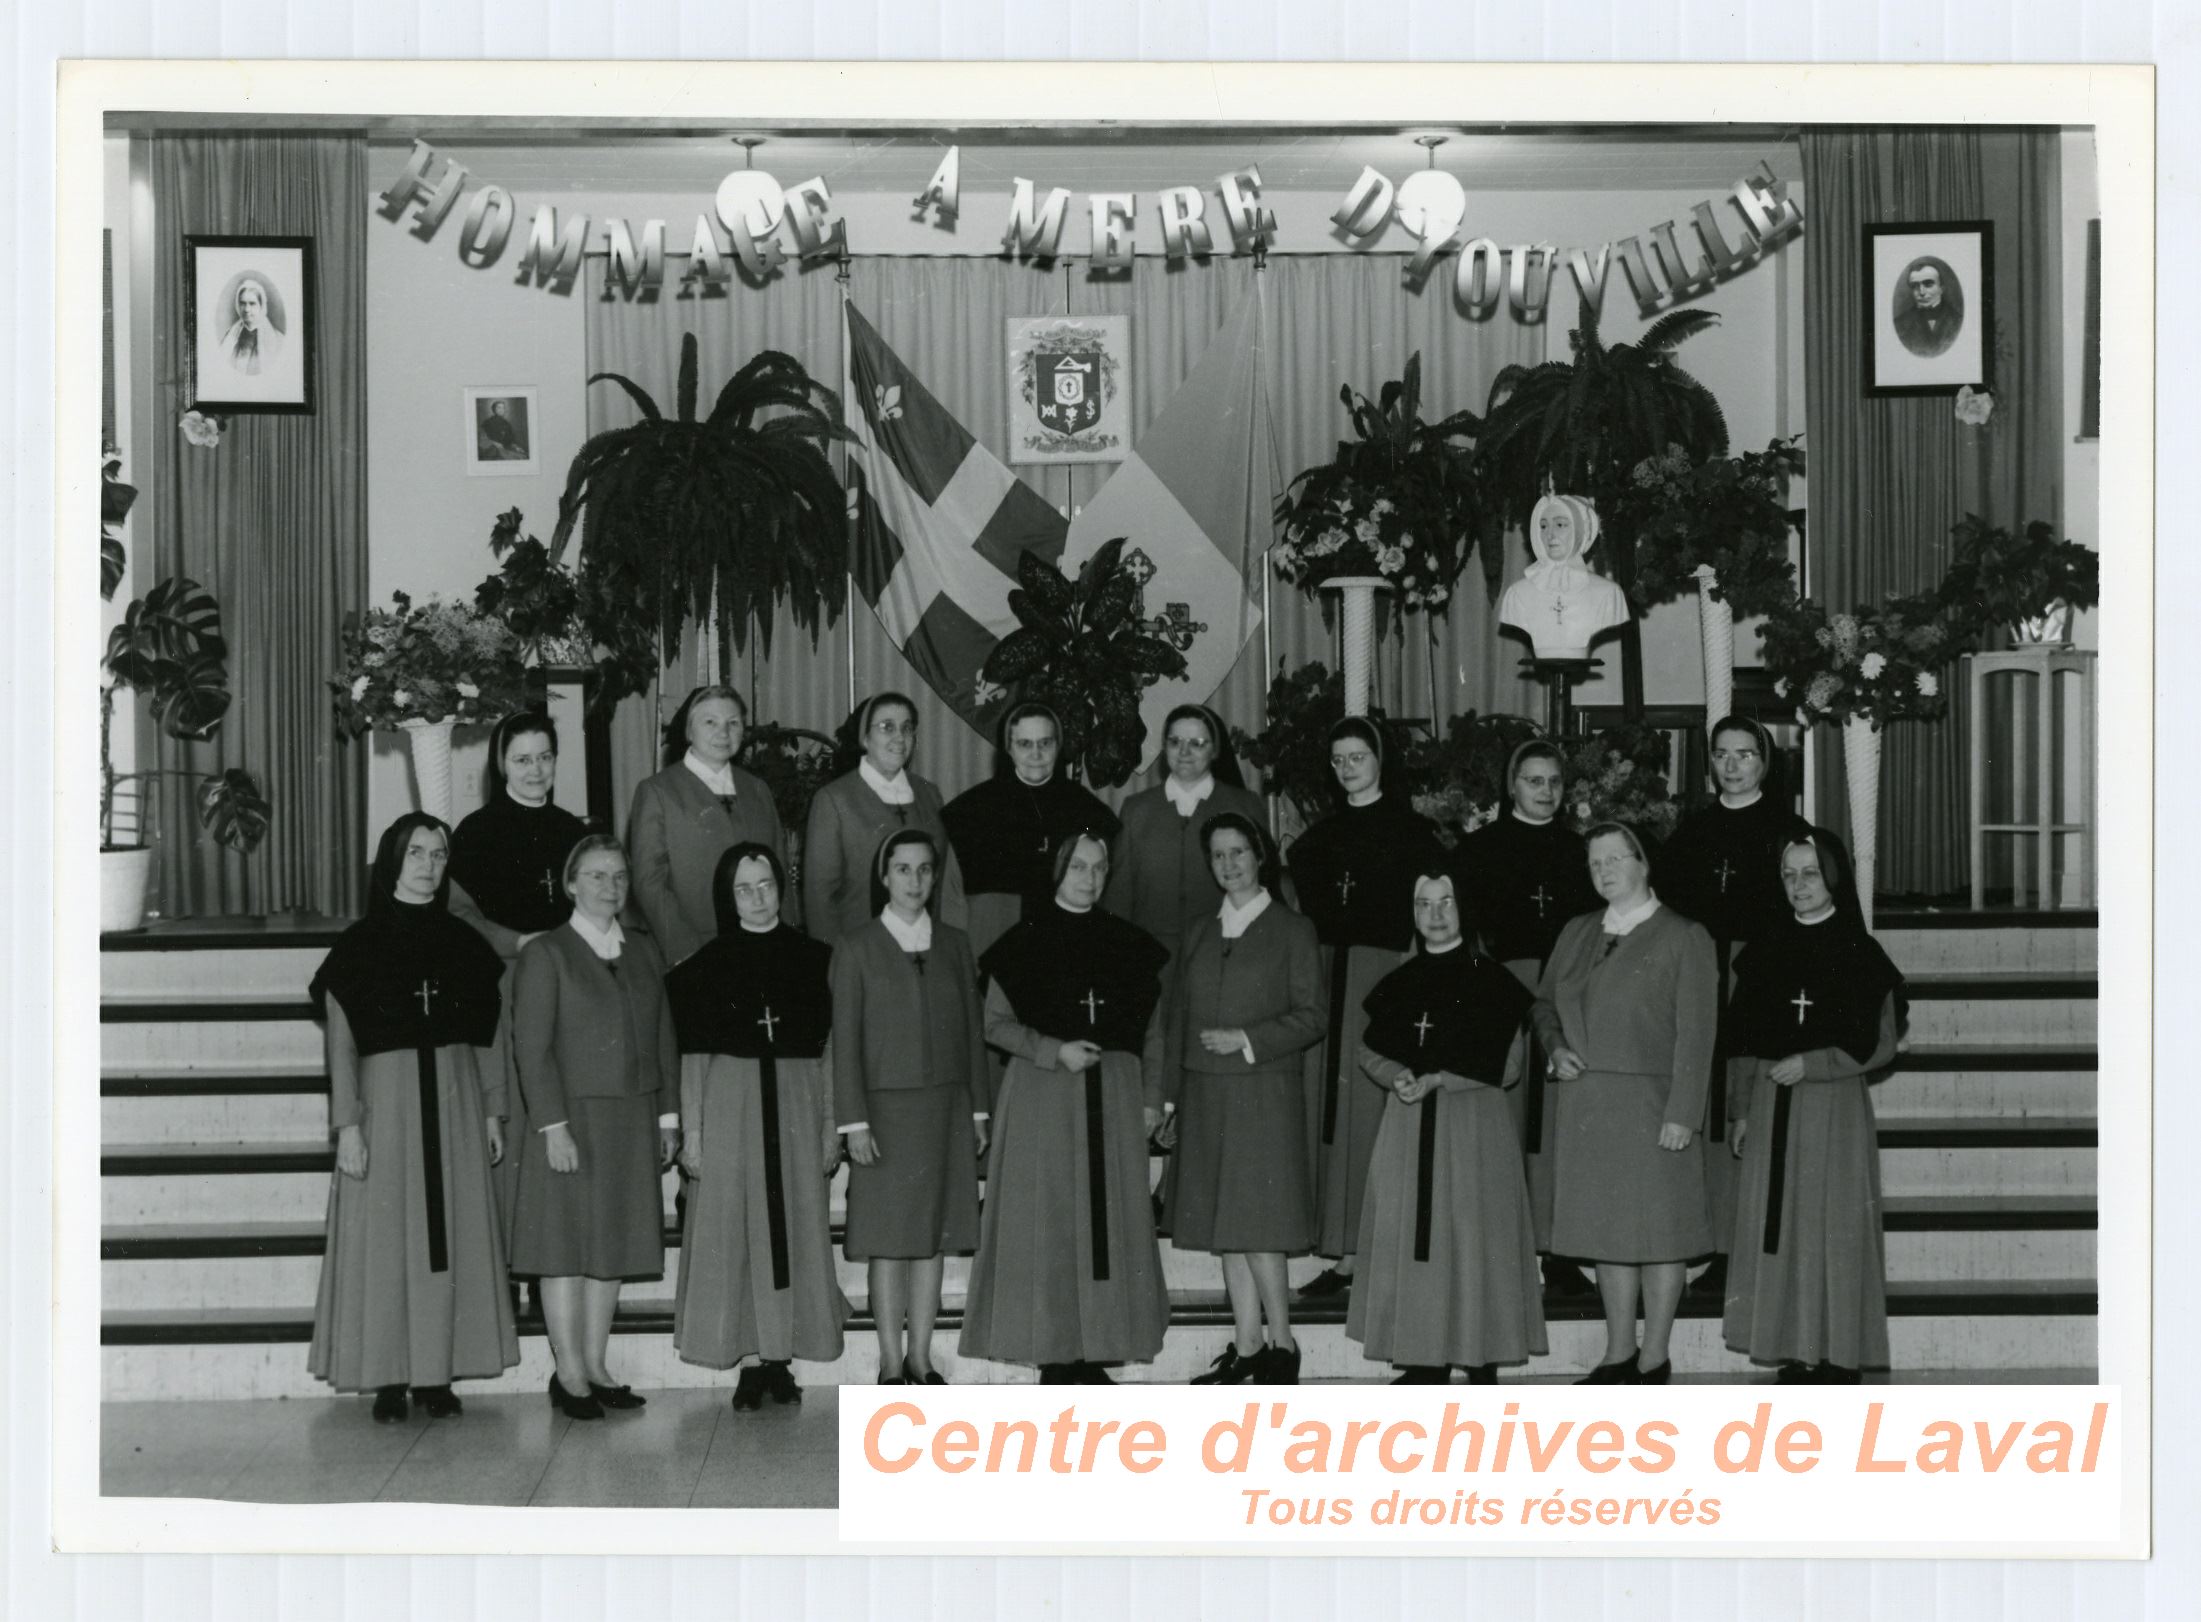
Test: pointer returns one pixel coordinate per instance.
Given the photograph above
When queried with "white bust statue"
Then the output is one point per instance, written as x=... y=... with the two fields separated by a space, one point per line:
x=1558 y=601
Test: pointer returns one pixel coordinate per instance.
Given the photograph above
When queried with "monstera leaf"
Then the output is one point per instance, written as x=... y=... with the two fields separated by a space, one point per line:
x=169 y=647
x=1085 y=649
x=232 y=810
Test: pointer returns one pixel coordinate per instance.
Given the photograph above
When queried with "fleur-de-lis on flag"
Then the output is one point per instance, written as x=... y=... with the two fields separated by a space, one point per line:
x=985 y=692
x=886 y=400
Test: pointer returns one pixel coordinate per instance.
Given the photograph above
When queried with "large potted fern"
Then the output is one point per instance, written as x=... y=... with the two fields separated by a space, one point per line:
x=169 y=647
x=715 y=519
x=1580 y=426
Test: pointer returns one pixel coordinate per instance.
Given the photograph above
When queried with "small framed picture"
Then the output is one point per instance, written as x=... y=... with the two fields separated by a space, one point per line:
x=249 y=303
x=1929 y=307
x=500 y=427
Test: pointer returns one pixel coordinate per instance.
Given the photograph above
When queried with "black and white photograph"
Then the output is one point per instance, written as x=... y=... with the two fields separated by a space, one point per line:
x=249 y=300
x=1930 y=303
x=1545 y=825
x=499 y=430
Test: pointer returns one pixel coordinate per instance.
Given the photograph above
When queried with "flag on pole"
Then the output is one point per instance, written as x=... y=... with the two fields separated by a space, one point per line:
x=1194 y=501
x=940 y=523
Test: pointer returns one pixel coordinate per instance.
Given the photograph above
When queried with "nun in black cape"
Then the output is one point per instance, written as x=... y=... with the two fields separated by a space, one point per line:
x=753 y=1012
x=1817 y=1011
x=413 y=1286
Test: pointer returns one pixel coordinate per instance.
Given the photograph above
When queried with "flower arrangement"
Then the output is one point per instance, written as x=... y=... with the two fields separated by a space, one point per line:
x=1728 y=514
x=1878 y=664
x=1619 y=775
x=1399 y=503
x=413 y=666
x=1999 y=580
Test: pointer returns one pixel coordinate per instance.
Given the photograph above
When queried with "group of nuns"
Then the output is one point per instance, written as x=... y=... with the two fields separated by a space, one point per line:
x=1426 y=1065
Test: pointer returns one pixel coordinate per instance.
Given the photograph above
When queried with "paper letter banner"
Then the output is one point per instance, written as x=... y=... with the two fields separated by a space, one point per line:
x=939 y=526
x=1193 y=502
x=1069 y=389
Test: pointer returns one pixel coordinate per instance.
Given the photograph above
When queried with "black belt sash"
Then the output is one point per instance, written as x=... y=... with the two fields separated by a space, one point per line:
x=431 y=1161
x=1532 y=1094
x=775 y=1182
x=1425 y=1174
x=1716 y=1094
x=1776 y=1183
x=1096 y=1168
x=1333 y=1046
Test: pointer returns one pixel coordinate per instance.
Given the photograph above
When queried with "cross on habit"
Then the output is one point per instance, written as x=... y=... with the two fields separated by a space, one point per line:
x=1345 y=889
x=1541 y=898
x=428 y=989
x=1726 y=872
x=550 y=885
x=1421 y=1027
x=1800 y=1002
x=1093 y=1005
x=767 y=1022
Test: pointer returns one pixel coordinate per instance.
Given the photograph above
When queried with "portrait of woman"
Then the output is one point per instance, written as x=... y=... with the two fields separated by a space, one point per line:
x=1817 y=1011
x=412 y=1292
x=599 y=1066
x=1626 y=1012
x=753 y=1014
x=690 y=814
x=1447 y=1244
x=254 y=339
x=851 y=815
x=1068 y=1273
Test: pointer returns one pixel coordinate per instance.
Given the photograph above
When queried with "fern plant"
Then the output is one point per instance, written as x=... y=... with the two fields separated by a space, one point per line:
x=1086 y=649
x=683 y=517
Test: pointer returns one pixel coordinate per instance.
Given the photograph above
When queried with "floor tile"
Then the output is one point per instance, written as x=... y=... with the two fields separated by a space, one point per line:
x=775 y=1457
x=494 y=1453
x=326 y=1451
x=650 y=1458
x=179 y=1449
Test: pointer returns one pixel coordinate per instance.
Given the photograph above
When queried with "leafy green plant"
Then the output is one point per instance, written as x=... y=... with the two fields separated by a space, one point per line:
x=1726 y=513
x=1580 y=426
x=170 y=647
x=115 y=500
x=1401 y=502
x=1292 y=751
x=1459 y=781
x=794 y=763
x=1086 y=649
x=727 y=514
x=1998 y=580
x=536 y=598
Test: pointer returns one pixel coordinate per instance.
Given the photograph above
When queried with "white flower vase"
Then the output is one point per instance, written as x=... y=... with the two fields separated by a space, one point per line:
x=1357 y=594
x=431 y=742
x=1716 y=626
x=1861 y=769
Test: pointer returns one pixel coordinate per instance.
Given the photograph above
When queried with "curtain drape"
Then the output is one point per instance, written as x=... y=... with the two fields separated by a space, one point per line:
x=1890 y=477
x=273 y=522
x=1329 y=320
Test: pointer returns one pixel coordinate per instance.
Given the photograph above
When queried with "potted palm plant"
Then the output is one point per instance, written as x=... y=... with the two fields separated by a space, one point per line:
x=710 y=519
x=1580 y=426
x=169 y=647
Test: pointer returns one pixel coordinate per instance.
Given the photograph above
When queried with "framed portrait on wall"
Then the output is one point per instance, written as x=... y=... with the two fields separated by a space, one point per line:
x=249 y=305
x=1929 y=307
x=499 y=430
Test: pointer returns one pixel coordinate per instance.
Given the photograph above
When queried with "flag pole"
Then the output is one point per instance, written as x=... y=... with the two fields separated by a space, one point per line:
x=1268 y=516
x=848 y=583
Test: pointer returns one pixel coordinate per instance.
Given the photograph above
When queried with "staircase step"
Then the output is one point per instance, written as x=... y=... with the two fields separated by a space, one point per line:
x=134 y=1046
x=1970 y=1132
x=1928 y=944
x=201 y=1008
x=272 y=971
x=1991 y=1008
x=224 y=1117
x=209 y=1083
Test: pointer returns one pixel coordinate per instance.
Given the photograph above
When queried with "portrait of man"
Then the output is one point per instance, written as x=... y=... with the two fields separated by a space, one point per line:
x=500 y=430
x=1929 y=306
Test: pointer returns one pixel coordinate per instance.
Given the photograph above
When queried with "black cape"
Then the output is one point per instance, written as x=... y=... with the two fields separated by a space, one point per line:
x=1004 y=832
x=511 y=859
x=1055 y=959
x=1723 y=868
x=377 y=970
x=722 y=992
x=1523 y=881
x=1354 y=872
x=1456 y=1011
x=1800 y=987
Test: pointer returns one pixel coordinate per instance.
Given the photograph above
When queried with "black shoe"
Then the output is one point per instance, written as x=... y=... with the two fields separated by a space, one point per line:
x=438 y=1401
x=1230 y=1368
x=911 y=1377
x=1660 y=1375
x=1091 y=1374
x=617 y=1396
x=779 y=1382
x=1835 y=1374
x=390 y=1405
x=571 y=1406
x=1275 y=1366
x=1058 y=1374
x=1565 y=1280
x=1620 y=1373
x=1712 y=1282
x=1423 y=1374
x=1482 y=1374
x=1325 y=1285
x=749 y=1390
x=1794 y=1374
